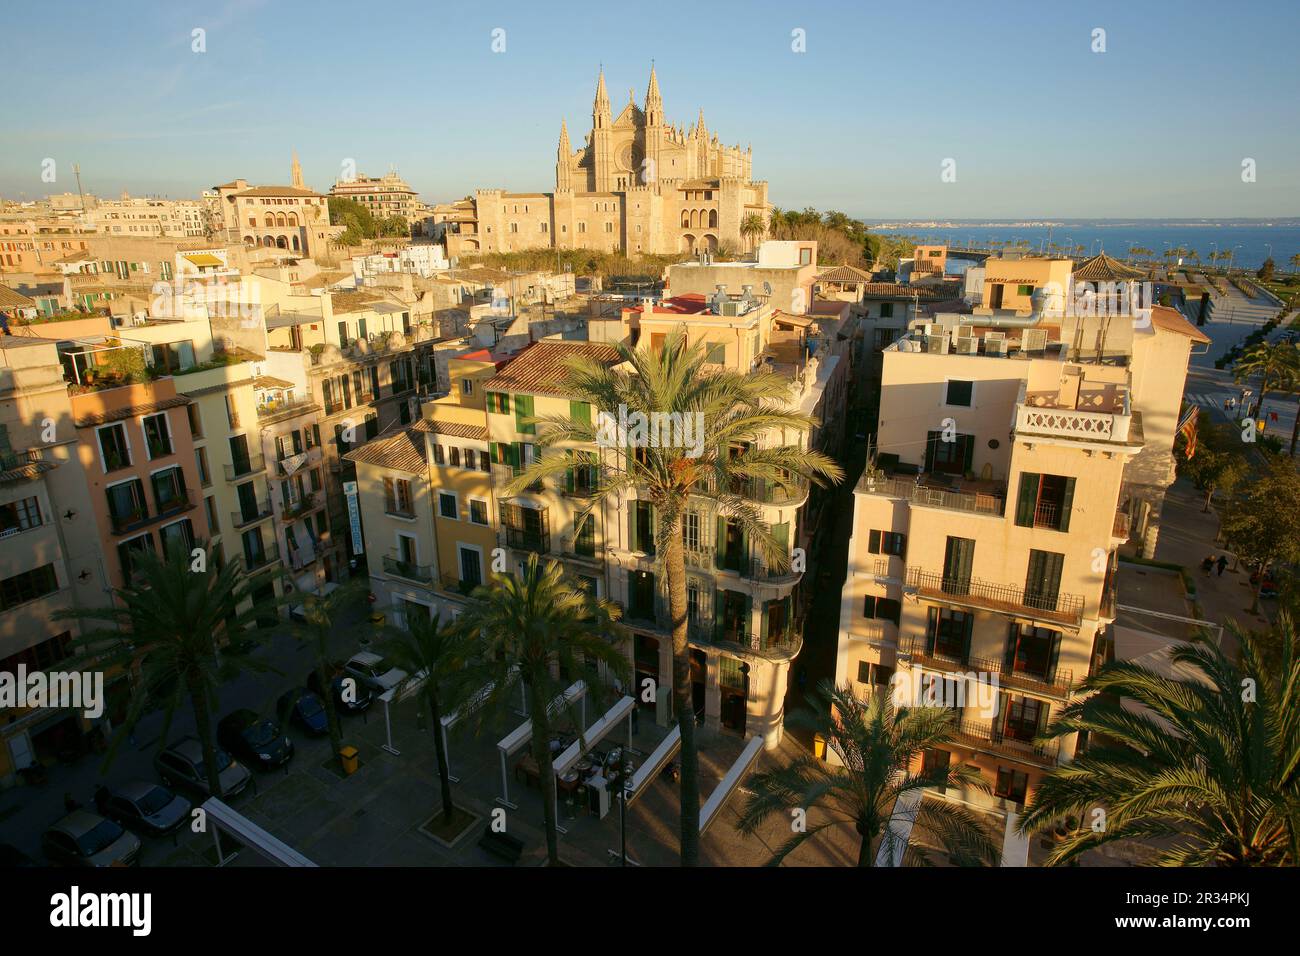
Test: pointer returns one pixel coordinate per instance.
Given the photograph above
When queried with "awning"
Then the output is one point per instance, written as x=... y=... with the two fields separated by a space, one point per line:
x=202 y=259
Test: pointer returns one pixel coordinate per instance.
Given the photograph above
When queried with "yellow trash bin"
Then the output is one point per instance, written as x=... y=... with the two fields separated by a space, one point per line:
x=819 y=746
x=377 y=619
x=349 y=755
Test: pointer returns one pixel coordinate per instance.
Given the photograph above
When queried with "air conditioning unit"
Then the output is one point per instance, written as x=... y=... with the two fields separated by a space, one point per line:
x=994 y=346
x=968 y=345
x=1034 y=341
x=937 y=344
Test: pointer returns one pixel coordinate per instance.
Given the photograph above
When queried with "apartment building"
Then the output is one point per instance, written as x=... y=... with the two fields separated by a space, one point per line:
x=50 y=556
x=1014 y=454
x=384 y=196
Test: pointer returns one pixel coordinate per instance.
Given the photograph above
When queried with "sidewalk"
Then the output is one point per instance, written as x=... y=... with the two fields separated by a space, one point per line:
x=1187 y=535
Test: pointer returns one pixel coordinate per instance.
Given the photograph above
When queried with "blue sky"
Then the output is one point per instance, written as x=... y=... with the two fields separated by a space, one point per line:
x=1038 y=124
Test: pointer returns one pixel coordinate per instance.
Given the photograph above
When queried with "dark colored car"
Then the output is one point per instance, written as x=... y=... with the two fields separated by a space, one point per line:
x=148 y=808
x=182 y=763
x=357 y=700
x=83 y=838
x=257 y=740
x=305 y=708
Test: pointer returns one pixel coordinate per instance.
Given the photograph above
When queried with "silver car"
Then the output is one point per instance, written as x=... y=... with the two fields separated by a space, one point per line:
x=182 y=763
x=83 y=838
x=148 y=808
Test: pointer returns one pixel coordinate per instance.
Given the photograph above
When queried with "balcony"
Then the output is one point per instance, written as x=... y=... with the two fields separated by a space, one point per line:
x=252 y=465
x=761 y=491
x=569 y=548
x=260 y=511
x=139 y=517
x=255 y=561
x=1054 y=683
x=1122 y=527
x=313 y=457
x=1101 y=416
x=452 y=582
x=984 y=735
x=293 y=510
x=529 y=540
x=422 y=573
x=1066 y=609
x=399 y=509
x=938 y=491
x=287 y=408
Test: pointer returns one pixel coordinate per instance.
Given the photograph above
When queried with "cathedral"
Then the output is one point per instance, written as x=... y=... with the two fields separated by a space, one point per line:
x=636 y=184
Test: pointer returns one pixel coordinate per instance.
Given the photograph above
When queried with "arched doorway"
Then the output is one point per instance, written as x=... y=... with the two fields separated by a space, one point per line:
x=688 y=243
x=281 y=243
x=709 y=243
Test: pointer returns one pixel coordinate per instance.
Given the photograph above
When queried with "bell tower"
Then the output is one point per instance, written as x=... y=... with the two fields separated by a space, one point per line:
x=601 y=138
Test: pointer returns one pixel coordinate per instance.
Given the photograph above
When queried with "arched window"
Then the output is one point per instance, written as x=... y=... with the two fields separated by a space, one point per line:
x=295 y=244
x=280 y=220
x=686 y=219
x=268 y=241
x=713 y=219
x=280 y=243
x=270 y=220
x=250 y=240
x=293 y=219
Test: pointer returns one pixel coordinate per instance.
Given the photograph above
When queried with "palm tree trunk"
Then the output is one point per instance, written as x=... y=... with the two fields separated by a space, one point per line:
x=683 y=704
x=203 y=724
x=444 y=774
x=1208 y=496
x=546 y=774
x=865 y=857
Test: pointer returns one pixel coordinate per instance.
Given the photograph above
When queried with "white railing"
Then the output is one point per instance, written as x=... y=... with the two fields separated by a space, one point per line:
x=1073 y=422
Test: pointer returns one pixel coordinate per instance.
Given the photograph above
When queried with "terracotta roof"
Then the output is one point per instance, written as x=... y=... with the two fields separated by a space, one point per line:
x=345 y=302
x=454 y=429
x=896 y=290
x=131 y=411
x=9 y=299
x=278 y=191
x=1171 y=320
x=270 y=381
x=540 y=368
x=843 y=274
x=403 y=451
x=1102 y=268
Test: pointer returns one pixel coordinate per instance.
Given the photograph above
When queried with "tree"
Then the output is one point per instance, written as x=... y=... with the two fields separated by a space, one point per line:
x=1276 y=364
x=1208 y=761
x=876 y=745
x=320 y=612
x=1262 y=522
x=1218 y=464
x=1265 y=272
x=1295 y=261
x=528 y=630
x=735 y=411
x=168 y=620
x=752 y=226
x=437 y=654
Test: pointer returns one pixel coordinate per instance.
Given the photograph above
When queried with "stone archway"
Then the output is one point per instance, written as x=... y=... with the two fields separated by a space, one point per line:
x=688 y=242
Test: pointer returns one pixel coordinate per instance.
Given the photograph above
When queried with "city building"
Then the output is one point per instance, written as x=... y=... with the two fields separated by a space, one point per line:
x=384 y=196
x=637 y=184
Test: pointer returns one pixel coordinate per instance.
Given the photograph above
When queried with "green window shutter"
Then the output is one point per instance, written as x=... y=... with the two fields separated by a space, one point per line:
x=524 y=410
x=1067 y=502
x=1009 y=655
x=1055 y=656
x=781 y=532
x=631 y=528
x=968 y=460
x=720 y=542
x=970 y=630
x=931 y=439
x=873 y=542
x=516 y=456
x=580 y=412
x=490 y=401
x=1027 y=499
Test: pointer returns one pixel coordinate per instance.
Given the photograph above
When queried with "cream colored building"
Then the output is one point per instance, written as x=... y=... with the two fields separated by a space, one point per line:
x=636 y=184
x=385 y=196
x=293 y=218
x=1015 y=452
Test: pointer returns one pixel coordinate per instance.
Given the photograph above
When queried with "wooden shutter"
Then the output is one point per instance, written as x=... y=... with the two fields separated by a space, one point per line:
x=968 y=460
x=1013 y=639
x=580 y=412
x=781 y=532
x=1067 y=502
x=1027 y=500
x=873 y=542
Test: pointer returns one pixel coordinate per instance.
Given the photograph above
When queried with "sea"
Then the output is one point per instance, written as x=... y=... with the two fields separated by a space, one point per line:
x=1252 y=241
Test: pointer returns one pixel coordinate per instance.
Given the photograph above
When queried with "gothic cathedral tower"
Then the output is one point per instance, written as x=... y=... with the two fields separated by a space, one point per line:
x=654 y=133
x=602 y=147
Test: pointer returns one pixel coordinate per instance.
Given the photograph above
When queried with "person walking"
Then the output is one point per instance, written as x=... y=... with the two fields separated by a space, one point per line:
x=1207 y=565
x=1222 y=563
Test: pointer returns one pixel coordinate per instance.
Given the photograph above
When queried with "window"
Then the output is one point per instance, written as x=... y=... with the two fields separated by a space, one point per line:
x=948 y=633
x=1043 y=579
x=113 y=448
x=1012 y=784
x=397 y=497
x=523 y=412
x=934 y=762
x=1025 y=718
x=18 y=516
x=438 y=457
x=1025 y=290
x=126 y=552
x=805 y=257
x=1033 y=651
x=157 y=436
x=886 y=310
x=959 y=393
x=883 y=608
x=177 y=538
x=887 y=542
x=467 y=386
x=28 y=586
x=478 y=511
x=716 y=353
x=471 y=459
x=447 y=505
x=874 y=674
x=498 y=402
x=1044 y=501
x=196 y=419
x=210 y=509
x=453 y=456
x=584 y=542
x=126 y=504
x=958 y=559
x=955 y=457
x=168 y=489
x=691 y=530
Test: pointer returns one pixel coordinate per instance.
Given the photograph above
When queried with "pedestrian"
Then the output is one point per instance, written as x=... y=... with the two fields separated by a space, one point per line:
x=1272 y=417
x=1222 y=563
x=1207 y=564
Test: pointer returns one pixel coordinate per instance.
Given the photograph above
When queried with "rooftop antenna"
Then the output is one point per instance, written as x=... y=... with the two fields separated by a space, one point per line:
x=76 y=168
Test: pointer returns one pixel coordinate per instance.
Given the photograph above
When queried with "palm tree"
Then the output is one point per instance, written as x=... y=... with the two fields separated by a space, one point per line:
x=735 y=411
x=1277 y=364
x=1210 y=760
x=752 y=225
x=1295 y=261
x=876 y=745
x=320 y=612
x=168 y=619
x=437 y=654
x=528 y=630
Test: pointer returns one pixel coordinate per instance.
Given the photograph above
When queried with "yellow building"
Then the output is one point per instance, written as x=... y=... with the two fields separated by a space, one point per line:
x=1014 y=454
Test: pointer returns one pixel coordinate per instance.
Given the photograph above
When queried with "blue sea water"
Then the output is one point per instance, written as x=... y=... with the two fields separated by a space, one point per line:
x=1251 y=241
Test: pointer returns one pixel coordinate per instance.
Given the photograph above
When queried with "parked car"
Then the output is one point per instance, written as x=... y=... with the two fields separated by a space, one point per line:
x=11 y=856
x=373 y=671
x=83 y=838
x=255 y=739
x=182 y=763
x=305 y=708
x=355 y=703
x=148 y=808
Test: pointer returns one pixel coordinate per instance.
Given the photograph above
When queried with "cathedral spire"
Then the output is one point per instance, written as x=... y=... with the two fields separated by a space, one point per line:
x=565 y=149
x=601 y=108
x=295 y=173
x=654 y=104
x=701 y=130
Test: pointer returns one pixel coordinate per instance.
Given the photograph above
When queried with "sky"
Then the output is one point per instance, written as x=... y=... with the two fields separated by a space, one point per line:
x=1010 y=98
